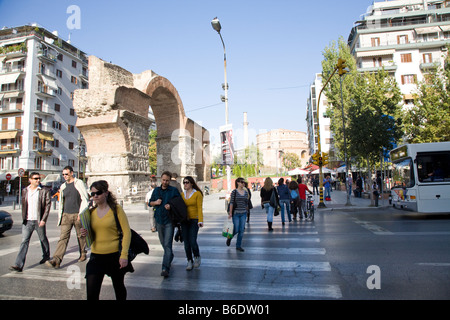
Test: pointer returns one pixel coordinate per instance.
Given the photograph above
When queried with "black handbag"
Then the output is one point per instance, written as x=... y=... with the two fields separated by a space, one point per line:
x=137 y=244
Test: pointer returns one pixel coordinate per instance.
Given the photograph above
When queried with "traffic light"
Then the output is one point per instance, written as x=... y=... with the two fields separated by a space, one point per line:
x=320 y=163
x=341 y=67
x=315 y=158
x=324 y=158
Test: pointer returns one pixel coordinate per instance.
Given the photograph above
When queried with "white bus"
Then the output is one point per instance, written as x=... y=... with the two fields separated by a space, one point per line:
x=421 y=177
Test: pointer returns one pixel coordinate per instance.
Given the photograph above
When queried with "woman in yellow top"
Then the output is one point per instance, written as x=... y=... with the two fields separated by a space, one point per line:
x=105 y=256
x=193 y=198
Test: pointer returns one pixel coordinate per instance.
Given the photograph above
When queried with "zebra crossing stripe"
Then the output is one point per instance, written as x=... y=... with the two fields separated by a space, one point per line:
x=277 y=290
x=297 y=266
x=249 y=250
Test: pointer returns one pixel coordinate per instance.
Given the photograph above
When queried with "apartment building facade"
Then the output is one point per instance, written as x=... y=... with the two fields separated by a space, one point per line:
x=406 y=37
x=39 y=73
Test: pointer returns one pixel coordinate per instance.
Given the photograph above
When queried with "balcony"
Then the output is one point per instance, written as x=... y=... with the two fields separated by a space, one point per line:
x=43 y=111
x=430 y=65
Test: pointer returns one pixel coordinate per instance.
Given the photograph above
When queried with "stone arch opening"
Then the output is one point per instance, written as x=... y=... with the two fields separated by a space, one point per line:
x=113 y=119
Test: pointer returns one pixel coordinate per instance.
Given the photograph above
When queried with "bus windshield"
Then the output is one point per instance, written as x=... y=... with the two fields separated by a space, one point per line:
x=433 y=166
x=403 y=174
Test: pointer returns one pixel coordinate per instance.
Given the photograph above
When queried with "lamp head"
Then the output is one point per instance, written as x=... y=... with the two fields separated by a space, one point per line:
x=216 y=24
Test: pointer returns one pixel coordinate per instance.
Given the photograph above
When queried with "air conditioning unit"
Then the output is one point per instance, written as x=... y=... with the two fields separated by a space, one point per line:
x=63 y=157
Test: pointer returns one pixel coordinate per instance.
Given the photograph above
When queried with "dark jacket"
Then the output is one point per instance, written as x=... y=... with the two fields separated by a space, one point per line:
x=44 y=205
x=178 y=210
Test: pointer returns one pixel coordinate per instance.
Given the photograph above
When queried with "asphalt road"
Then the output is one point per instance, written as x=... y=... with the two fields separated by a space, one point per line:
x=345 y=254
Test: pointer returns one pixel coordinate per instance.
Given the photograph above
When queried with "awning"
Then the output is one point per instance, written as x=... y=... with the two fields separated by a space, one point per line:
x=46 y=136
x=3 y=175
x=297 y=171
x=15 y=59
x=427 y=30
x=6 y=152
x=8 y=134
x=375 y=53
x=445 y=28
x=50 y=82
x=9 y=78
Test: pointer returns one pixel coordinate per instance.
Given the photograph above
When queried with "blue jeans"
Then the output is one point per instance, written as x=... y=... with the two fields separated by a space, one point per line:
x=165 y=234
x=239 y=227
x=189 y=230
x=269 y=211
x=327 y=192
x=27 y=231
x=284 y=203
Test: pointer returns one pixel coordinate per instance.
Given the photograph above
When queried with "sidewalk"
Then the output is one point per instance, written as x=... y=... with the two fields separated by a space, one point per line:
x=339 y=200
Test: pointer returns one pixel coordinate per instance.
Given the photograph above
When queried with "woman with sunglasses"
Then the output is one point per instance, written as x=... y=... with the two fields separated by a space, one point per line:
x=105 y=256
x=193 y=198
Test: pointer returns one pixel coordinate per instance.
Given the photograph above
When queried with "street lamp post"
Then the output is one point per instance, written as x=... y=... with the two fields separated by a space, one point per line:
x=215 y=23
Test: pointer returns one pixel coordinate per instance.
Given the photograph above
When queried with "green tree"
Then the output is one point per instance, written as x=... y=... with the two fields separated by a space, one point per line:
x=291 y=161
x=152 y=152
x=371 y=106
x=374 y=115
x=429 y=119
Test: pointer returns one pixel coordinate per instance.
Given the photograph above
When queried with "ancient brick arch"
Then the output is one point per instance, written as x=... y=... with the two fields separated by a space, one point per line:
x=113 y=119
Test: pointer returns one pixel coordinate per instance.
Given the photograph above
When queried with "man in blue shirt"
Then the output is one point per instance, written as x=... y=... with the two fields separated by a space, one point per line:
x=159 y=200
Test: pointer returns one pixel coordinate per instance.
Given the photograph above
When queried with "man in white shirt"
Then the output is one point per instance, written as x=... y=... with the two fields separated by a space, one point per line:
x=36 y=205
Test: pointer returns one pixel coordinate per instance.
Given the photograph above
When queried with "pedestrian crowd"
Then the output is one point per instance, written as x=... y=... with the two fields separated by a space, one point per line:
x=176 y=213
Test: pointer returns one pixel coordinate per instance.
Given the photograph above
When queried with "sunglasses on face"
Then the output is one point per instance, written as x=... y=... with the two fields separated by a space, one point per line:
x=97 y=193
x=36 y=178
x=186 y=182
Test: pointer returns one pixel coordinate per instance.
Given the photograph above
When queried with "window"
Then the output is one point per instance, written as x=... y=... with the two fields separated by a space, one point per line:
x=70 y=145
x=55 y=161
x=72 y=111
x=377 y=62
x=60 y=57
x=74 y=80
x=403 y=39
x=38 y=163
x=427 y=58
x=18 y=123
x=57 y=107
x=432 y=166
x=59 y=91
x=56 y=125
x=375 y=42
x=55 y=143
x=403 y=174
x=59 y=73
x=71 y=163
x=406 y=57
x=409 y=79
x=74 y=64
x=71 y=128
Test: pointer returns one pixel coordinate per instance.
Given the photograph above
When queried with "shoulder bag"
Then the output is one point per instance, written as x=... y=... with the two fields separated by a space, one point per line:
x=137 y=243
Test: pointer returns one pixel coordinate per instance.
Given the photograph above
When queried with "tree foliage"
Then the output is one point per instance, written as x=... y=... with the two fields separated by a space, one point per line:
x=428 y=120
x=152 y=152
x=371 y=107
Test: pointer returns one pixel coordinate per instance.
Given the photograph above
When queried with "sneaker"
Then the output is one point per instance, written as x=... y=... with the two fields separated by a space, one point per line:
x=197 y=261
x=189 y=266
x=240 y=249
x=228 y=242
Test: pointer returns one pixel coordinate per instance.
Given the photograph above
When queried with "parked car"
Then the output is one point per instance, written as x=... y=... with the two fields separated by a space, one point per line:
x=6 y=221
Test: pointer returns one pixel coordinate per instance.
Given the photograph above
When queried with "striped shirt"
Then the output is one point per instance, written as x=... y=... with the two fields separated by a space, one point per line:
x=240 y=201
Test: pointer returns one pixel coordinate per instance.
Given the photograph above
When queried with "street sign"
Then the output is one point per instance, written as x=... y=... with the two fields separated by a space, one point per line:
x=8 y=176
x=21 y=172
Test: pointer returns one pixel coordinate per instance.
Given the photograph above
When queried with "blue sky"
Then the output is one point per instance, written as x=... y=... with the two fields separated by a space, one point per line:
x=274 y=48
